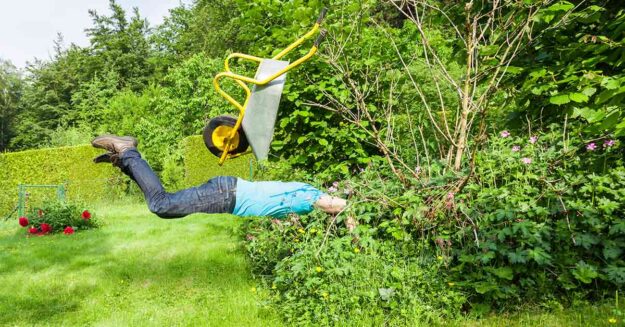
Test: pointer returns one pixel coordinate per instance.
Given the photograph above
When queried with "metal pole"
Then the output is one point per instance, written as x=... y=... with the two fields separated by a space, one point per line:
x=20 y=200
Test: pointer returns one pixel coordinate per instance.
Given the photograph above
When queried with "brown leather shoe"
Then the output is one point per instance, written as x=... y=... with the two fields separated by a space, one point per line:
x=115 y=144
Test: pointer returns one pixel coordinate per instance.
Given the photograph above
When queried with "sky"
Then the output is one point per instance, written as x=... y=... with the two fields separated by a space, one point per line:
x=28 y=28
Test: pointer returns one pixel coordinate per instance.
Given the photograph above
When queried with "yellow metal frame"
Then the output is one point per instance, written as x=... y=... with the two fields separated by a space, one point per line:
x=242 y=80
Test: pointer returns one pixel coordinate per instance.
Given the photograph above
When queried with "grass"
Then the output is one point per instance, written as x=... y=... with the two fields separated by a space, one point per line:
x=581 y=316
x=139 y=270
x=136 y=270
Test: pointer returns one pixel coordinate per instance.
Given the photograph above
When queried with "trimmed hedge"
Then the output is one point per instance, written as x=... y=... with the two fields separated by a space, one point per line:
x=72 y=166
x=200 y=165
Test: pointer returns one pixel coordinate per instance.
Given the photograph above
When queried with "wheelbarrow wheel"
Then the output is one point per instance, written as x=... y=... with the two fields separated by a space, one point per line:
x=216 y=132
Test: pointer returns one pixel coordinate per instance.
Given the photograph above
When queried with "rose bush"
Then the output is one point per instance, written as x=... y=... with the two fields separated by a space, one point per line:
x=56 y=217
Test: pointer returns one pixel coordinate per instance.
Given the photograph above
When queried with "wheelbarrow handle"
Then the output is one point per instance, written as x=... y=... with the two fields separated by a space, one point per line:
x=322 y=35
x=322 y=15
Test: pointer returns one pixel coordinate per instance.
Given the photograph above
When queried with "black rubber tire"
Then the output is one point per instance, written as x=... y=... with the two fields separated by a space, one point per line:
x=223 y=120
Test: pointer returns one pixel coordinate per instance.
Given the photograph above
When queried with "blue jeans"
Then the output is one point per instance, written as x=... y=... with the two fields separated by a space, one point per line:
x=218 y=195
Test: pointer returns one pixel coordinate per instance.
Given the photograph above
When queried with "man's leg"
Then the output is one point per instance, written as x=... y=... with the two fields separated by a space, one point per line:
x=215 y=196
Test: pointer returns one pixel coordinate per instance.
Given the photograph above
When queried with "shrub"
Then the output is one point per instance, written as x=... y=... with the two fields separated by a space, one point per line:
x=540 y=219
x=336 y=279
x=55 y=216
x=543 y=218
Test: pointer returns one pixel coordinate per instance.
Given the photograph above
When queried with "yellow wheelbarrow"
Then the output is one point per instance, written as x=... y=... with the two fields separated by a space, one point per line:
x=227 y=136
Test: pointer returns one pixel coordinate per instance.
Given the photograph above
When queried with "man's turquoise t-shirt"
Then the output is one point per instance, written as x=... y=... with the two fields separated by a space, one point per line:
x=274 y=199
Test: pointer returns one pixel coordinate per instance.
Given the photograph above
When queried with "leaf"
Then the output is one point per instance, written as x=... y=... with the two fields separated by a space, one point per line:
x=386 y=293
x=503 y=273
x=517 y=257
x=323 y=142
x=589 y=91
x=612 y=252
x=610 y=83
x=584 y=272
x=560 y=99
x=618 y=228
x=484 y=287
x=578 y=97
x=514 y=70
x=615 y=274
x=539 y=255
x=561 y=6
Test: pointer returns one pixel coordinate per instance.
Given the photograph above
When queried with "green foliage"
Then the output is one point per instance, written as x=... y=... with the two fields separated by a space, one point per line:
x=72 y=166
x=10 y=94
x=70 y=136
x=541 y=222
x=342 y=280
x=574 y=69
x=200 y=165
x=59 y=215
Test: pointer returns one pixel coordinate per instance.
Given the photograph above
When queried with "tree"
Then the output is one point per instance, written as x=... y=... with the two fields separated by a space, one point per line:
x=121 y=45
x=11 y=87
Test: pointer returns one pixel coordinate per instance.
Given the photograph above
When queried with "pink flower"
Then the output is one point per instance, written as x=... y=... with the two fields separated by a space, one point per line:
x=608 y=143
x=417 y=169
x=526 y=161
x=591 y=146
x=86 y=215
x=332 y=189
x=516 y=148
x=23 y=221
x=335 y=184
x=450 y=196
x=504 y=134
x=68 y=230
x=533 y=139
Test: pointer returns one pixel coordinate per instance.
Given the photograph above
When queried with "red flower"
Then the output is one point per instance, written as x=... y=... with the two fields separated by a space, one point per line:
x=23 y=221
x=68 y=230
x=86 y=215
x=45 y=228
x=33 y=230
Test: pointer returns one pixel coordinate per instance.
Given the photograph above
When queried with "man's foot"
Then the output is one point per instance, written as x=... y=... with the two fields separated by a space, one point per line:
x=115 y=144
x=107 y=158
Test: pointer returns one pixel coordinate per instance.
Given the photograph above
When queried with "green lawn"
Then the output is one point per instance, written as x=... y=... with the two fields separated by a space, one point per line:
x=583 y=316
x=139 y=270
x=136 y=270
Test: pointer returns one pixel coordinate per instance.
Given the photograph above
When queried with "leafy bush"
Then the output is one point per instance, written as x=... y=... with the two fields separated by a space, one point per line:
x=543 y=218
x=540 y=219
x=56 y=217
x=318 y=273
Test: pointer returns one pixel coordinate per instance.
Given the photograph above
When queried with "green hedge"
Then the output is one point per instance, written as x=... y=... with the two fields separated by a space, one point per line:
x=200 y=165
x=72 y=166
